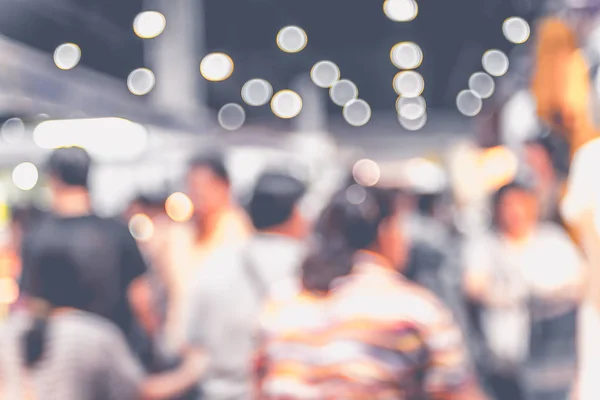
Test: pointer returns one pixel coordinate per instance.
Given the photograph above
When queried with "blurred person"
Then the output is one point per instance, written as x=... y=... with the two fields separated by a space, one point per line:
x=358 y=329
x=58 y=351
x=231 y=287
x=527 y=278
x=114 y=267
x=217 y=223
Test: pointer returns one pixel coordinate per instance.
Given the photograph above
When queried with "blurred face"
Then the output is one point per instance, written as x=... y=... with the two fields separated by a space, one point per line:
x=393 y=244
x=207 y=191
x=517 y=213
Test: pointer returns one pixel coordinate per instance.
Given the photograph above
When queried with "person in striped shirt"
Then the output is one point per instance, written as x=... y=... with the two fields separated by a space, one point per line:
x=358 y=329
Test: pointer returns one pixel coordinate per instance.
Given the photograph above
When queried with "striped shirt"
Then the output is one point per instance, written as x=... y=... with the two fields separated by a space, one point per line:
x=376 y=336
x=85 y=358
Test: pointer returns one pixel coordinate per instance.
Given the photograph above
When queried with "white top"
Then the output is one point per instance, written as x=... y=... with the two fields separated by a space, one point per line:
x=583 y=187
x=548 y=262
x=583 y=196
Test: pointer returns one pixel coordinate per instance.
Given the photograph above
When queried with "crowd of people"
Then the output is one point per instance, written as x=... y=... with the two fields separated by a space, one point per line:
x=260 y=302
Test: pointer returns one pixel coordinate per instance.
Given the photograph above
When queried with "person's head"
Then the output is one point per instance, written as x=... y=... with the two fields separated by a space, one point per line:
x=274 y=205
x=149 y=204
x=516 y=210
x=54 y=262
x=69 y=168
x=346 y=227
x=208 y=183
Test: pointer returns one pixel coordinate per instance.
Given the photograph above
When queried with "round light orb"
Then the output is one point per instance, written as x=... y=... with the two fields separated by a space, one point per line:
x=409 y=84
x=325 y=74
x=25 y=176
x=413 y=124
x=149 y=24
x=141 y=81
x=231 y=116
x=356 y=194
x=67 y=56
x=411 y=108
x=216 y=67
x=495 y=62
x=366 y=172
x=292 y=39
x=13 y=130
x=179 y=207
x=141 y=227
x=401 y=10
x=257 y=92
x=469 y=103
x=482 y=84
x=406 y=55
x=357 y=112
x=286 y=104
x=343 y=91
x=516 y=30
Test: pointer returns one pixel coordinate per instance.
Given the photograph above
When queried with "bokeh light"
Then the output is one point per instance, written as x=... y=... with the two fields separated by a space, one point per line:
x=149 y=24
x=356 y=194
x=292 y=39
x=411 y=108
x=401 y=10
x=357 y=112
x=409 y=84
x=179 y=207
x=286 y=104
x=9 y=291
x=325 y=74
x=141 y=81
x=406 y=55
x=516 y=30
x=216 y=67
x=413 y=124
x=13 y=130
x=495 y=62
x=25 y=176
x=141 y=227
x=257 y=92
x=67 y=56
x=343 y=91
x=469 y=103
x=231 y=116
x=482 y=84
x=366 y=172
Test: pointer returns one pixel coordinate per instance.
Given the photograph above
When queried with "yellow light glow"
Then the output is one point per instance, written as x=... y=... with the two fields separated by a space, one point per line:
x=9 y=291
x=141 y=227
x=179 y=207
x=67 y=56
x=498 y=166
x=149 y=24
x=286 y=104
x=406 y=55
x=216 y=67
x=292 y=39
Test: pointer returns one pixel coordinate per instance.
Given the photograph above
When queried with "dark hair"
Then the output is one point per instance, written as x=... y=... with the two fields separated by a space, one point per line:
x=502 y=192
x=70 y=165
x=274 y=198
x=151 y=200
x=214 y=161
x=342 y=229
x=53 y=278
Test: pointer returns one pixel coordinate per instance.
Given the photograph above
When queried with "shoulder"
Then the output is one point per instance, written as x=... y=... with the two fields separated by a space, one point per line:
x=94 y=328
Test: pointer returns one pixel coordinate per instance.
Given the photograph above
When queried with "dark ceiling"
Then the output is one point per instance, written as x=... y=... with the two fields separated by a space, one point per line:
x=353 y=33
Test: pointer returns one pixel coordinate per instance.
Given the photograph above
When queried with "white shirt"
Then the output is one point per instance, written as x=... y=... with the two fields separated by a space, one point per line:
x=583 y=196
